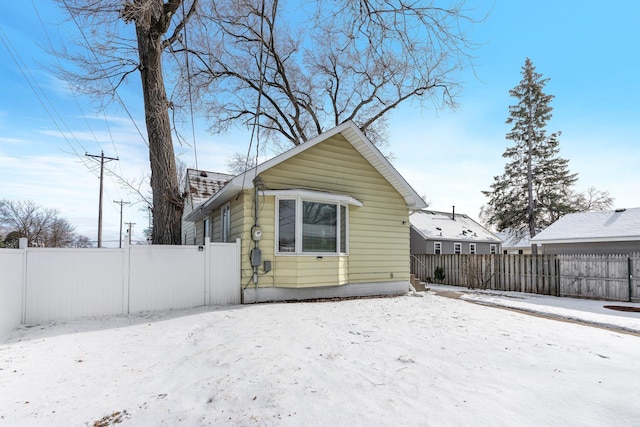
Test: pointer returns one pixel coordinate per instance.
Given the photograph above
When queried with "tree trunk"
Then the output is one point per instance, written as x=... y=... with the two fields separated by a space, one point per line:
x=167 y=201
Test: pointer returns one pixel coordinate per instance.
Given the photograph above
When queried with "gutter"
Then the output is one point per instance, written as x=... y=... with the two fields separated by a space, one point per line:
x=220 y=198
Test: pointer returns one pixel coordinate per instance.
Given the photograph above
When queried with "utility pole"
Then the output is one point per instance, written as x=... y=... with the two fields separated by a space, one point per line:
x=121 y=203
x=102 y=158
x=130 y=229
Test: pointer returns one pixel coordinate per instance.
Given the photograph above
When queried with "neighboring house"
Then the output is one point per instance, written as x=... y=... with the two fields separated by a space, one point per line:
x=512 y=244
x=450 y=233
x=199 y=185
x=603 y=232
x=327 y=218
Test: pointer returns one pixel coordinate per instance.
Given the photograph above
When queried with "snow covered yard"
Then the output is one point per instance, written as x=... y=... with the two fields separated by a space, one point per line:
x=430 y=361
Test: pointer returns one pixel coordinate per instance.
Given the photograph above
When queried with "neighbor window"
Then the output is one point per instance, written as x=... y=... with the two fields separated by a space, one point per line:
x=472 y=248
x=457 y=248
x=226 y=222
x=493 y=249
x=306 y=226
x=437 y=248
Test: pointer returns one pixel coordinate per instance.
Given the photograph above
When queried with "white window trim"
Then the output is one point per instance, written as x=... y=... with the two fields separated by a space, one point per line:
x=472 y=248
x=493 y=249
x=313 y=196
x=226 y=238
x=457 y=245
x=437 y=245
x=318 y=198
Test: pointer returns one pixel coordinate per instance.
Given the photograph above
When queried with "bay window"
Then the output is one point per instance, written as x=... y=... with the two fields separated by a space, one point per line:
x=311 y=226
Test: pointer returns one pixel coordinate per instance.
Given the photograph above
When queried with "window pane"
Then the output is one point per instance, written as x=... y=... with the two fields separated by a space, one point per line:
x=319 y=227
x=343 y=229
x=287 y=226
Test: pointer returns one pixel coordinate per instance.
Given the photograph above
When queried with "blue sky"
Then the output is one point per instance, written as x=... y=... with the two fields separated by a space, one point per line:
x=589 y=50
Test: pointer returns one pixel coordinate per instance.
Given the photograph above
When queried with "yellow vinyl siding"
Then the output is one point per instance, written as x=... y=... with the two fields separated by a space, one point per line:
x=188 y=228
x=199 y=232
x=378 y=239
x=216 y=224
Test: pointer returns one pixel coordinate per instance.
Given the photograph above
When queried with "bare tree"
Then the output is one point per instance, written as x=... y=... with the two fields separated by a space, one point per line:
x=239 y=163
x=41 y=226
x=350 y=60
x=313 y=66
x=593 y=200
x=109 y=54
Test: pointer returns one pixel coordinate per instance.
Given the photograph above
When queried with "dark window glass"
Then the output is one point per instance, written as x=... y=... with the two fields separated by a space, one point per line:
x=287 y=226
x=319 y=221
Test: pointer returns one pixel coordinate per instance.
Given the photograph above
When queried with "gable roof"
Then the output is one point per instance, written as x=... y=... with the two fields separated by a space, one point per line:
x=435 y=225
x=204 y=184
x=352 y=134
x=600 y=226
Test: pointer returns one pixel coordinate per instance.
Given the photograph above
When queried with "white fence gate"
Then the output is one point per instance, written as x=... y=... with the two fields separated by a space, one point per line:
x=42 y=284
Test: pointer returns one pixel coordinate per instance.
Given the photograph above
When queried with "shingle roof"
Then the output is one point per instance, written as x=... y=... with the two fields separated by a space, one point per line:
x=600 y=226
x=441 y=225
x=204 y=184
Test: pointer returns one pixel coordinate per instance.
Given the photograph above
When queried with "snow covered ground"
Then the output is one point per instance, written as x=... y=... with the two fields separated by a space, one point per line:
x=429 y=361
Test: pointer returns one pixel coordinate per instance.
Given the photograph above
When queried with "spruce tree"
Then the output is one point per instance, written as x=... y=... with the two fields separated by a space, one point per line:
x=535 y=188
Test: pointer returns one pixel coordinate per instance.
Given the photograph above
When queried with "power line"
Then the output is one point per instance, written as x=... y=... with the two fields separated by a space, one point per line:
x=102 y=158
x=186 y=52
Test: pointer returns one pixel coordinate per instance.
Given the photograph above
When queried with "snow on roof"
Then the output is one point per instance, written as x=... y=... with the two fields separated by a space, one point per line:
x=512 y=240
x=599 y=226
x=441 y=225
x=204 y=184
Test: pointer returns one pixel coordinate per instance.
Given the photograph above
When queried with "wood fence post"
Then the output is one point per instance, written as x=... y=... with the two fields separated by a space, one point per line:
x=629 y=277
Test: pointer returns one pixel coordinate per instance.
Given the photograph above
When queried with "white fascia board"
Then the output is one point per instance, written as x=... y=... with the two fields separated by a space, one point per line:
x=370 y=152
x=587 y=240
x=202 y=211
x=314 y=195
x=417 y=230
x=289 y=154
x=365 y=147
x=462 y=240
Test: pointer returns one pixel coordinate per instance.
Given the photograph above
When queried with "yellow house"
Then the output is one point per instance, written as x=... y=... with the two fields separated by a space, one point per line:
x=328 y=218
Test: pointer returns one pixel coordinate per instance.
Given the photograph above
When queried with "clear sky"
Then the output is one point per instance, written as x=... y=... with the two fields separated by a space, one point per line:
x=590 y=51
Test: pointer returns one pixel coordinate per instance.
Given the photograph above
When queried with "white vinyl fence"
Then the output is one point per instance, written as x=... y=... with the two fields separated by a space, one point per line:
x=42 y=284
x=11 y=286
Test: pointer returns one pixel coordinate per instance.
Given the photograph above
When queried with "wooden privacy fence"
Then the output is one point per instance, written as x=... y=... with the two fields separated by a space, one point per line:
x=608 y=277
x=522 y=273
x=612 y=277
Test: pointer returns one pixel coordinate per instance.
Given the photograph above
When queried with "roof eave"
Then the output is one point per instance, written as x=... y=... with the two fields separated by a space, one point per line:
x=205 y=209
x=585 y=240
x=362 y=144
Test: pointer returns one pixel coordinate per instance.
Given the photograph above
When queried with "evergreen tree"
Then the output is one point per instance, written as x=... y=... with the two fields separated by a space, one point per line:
x=535 y=188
